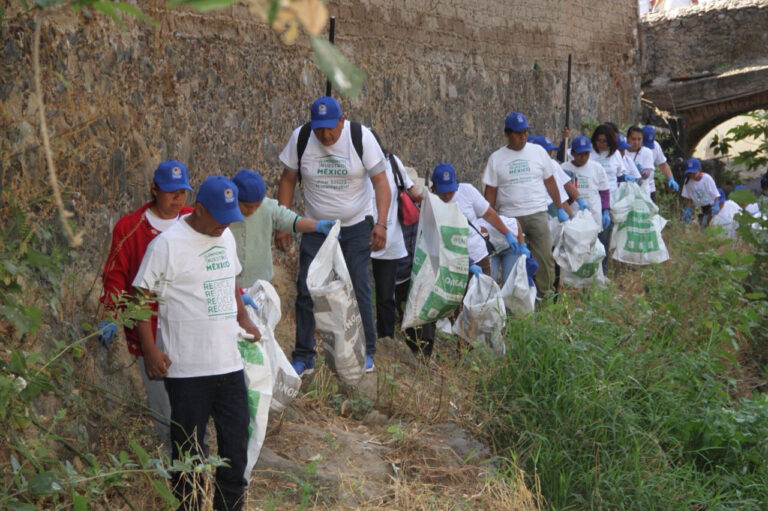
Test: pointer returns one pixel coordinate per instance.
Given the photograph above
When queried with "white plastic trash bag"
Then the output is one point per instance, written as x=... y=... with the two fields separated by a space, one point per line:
x=481 y=320
x=258 y=382
x=636 y=237
x=337 y=316
x=575 y=245
x=286 y=383
x=440 y=263
x=519 y=297
x=591 y=272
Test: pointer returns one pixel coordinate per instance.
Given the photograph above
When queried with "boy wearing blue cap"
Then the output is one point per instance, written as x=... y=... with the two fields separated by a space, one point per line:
x=642 y=159
x=518 y=177
x=335 y=162
x=699 y=190
x=130 y=238
x=649 y=141
x=191 y=267
x=261 y=216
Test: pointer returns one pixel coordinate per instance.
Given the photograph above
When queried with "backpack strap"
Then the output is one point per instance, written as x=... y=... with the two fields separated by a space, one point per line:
x=396 y=173
x=357 y=138
x=301 y=144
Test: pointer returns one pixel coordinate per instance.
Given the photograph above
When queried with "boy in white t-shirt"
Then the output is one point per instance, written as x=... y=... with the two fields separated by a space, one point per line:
x=728 y=211
x=699 y=190
x=642 y=158
x=659 y=159
x=474 y=206
x=191 y=269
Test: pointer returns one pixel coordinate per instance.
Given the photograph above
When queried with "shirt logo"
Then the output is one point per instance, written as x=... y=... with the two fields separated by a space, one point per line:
x=229 y=195
x=176 y=172
x=322 y=109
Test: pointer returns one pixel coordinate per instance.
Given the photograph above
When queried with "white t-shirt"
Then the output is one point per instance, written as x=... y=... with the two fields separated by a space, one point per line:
x=334 y=177
x=643 y=160
x=702 y=192
x=725 y=217
x=629 y=166
x=658 y=154
x=395 y=247
x=473 y=205
x=519 y=178
x=193 y=275
x=613 y=165
x=560 y=179
x=498 y=240
x=590 y=179
x=160 y=224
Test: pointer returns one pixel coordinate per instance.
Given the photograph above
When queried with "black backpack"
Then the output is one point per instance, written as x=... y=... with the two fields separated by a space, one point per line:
x=304 y=132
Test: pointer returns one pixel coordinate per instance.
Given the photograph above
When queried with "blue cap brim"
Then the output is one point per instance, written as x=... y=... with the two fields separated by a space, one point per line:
x=169 y=188
x=691 y=171
x=324 y=123
x=649 y=145
x=623 y=146
x=580 y=151
x=446 y=188
x=227 y=216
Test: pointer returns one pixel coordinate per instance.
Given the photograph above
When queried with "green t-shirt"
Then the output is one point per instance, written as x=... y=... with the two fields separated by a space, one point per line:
x=254 y=240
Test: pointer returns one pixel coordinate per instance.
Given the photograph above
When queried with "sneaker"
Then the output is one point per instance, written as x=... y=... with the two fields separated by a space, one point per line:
x=303 y=367
x=369 y=367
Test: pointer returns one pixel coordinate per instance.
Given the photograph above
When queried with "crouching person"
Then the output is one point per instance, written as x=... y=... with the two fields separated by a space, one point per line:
x=191 y=268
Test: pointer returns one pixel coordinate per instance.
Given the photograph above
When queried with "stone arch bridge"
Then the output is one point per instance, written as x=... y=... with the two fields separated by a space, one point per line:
x=704 y=64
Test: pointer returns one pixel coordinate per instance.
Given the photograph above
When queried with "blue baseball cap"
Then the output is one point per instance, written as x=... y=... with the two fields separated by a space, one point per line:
x=444 y=178
x=325 y=113
x=543 y=141
x=250 y=186
x=581 y=144
x=516 y=121
x=721 y=192
x=621 y=142
x=219 y=196
x=649 y=135
x=172 y=175
x=692 y=165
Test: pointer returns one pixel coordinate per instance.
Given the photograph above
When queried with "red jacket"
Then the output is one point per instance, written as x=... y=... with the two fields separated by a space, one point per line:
x=130 y=238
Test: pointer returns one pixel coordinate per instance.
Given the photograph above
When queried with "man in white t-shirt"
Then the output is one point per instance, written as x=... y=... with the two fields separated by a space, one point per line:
x=518 y=177
x=334 y=166
x=190 y=268
x=699 y=190
x=659 y=159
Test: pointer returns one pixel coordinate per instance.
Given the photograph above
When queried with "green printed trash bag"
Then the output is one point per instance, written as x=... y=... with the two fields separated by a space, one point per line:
x=337 y=316
x=589 y=273
x=637 y=227
x=258 y=381
x=481 y=320
x=440 y=263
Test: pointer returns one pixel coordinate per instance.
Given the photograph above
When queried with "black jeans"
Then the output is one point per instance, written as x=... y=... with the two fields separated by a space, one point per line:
x=420 y=339
x=193 y=400
x=384 y=273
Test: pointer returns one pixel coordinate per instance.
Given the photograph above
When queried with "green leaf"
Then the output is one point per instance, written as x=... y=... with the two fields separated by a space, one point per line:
x=202 y=5
x=140 y=453
x=79 y=502
x=165 y=493
x=755 y=296
x=15 y=505
x=345 y=76
x=45 y=483
x=18 y=361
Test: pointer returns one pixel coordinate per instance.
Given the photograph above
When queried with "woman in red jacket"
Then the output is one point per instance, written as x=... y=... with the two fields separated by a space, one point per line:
x=130 y=238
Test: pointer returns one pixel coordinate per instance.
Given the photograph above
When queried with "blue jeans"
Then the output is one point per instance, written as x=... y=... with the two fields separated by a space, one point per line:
x=505 y=259
x=223 y=397
x=357 y=254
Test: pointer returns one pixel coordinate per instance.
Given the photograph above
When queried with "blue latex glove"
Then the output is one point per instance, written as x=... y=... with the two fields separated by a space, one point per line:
x=107 y=332
x=324 y=226
x=530 y=268
x=629 y=179
x=687 y=214
x=562 y=216
x=524 y=250
x=248 y=300
x=673 y=184
x=513 y=244
x=715 y=208
x=475 y=270
x=582 y=204
x=606 y=218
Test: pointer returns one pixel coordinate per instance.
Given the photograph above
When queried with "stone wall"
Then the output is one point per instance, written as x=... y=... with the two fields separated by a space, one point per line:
x=220 y=92
x=710 y=38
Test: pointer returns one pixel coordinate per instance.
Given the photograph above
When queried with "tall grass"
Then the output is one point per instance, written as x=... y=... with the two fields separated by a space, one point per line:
x=626 y=400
